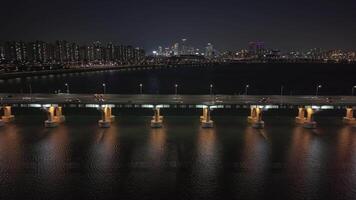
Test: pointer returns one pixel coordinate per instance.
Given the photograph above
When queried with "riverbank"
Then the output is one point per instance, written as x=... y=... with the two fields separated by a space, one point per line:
x=61 y=71
x=98 y=68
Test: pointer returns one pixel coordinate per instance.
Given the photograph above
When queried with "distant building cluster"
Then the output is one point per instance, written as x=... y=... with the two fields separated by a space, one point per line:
x=184 y=49
x=64 y=52
x=319 y=54
x=257 y=51
x=39 y=55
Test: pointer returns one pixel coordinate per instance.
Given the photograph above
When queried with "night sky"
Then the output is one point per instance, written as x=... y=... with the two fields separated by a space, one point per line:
x=227 y=24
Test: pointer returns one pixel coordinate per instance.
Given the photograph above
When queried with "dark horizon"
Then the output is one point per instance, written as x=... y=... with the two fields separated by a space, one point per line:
x=228 y=25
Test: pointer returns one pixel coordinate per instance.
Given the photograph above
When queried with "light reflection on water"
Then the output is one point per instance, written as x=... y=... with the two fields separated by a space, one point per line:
x=305 y=164
x=50 y=163
x=133 y=161
x=344 y=163
x=102 y=162
x=157 y=148
x=206 y=163
x=54 y=155
x=254 y=164
x=11 y=154
x=103 y=157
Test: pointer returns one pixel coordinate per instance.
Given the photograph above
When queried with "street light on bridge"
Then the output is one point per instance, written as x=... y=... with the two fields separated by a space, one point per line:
x=104 y=88
x=353 y=88
x=246 y=89
x=67 y=86
x=141 y=85
x=30 y=88
x=211 y=89
x=282 y=88
x=317 y=89
x=176 y=89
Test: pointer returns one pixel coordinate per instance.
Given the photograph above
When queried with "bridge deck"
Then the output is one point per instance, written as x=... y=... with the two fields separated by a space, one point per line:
x=175 y=99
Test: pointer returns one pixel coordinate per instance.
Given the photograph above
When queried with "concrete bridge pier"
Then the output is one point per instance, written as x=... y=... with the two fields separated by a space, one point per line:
x=309 y=122
x=301 y=119
x=255 y=118
x=58 y=116
x=349 y=118
x=203 y=117
x=8 y=117
x=157 y=119
x=50 y=122
x=54 y=116
x=205 y=120
x=111 y=117
x=106 y=117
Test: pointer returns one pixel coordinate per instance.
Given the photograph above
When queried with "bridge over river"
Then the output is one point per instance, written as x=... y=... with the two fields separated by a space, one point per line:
x=53 y=103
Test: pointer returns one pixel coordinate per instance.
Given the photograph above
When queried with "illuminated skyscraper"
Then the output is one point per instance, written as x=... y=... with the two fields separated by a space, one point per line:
x=160 y=51
x=209 y=51
x=176 y=49
x=98 y=51
x=256 y=49
x=109 y=52
x=15 y=51
x=2 y=53
x=62 y=51
x=167 y=51
x=184 y=47
x=37 y=52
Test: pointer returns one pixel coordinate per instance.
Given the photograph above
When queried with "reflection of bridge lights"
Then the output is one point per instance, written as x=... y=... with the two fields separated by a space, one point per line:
x=157 y=147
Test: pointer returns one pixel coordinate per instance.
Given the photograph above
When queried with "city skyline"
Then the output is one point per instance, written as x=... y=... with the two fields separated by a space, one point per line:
x=228 y=24
x=62 y=51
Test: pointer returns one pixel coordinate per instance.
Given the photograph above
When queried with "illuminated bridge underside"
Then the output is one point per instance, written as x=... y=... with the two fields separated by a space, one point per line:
x=175 y=101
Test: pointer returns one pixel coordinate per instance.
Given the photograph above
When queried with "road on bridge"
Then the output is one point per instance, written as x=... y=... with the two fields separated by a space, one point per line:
x=175 y=99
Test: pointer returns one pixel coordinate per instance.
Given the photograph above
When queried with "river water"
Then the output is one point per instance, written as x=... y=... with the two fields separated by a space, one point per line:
x=296 y=79
x=78 y=160
x=180 y=161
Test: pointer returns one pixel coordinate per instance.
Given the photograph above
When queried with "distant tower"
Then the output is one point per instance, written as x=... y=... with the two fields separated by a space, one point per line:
x=97 y=51
x=184 y=47
x=167 y=51
x=176 y=49
x=2 y=53
x=160 y=51
x=256 y=48
x=209 y=51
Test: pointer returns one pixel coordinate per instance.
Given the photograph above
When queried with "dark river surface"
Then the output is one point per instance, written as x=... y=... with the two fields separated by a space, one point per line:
x=79 y=160
x=297 y=79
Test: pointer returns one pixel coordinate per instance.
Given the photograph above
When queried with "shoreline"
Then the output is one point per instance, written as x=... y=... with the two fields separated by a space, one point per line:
x=61 y=71
x=12 y=75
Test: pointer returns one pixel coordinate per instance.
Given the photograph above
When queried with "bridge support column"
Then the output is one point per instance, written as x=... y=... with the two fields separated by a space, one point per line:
x=206 y=121
x=301 y=119
x=106 y=118
x=349 y=118
x=54 y=116
x=203 y=117
x=157 y=119
x=8 y=117
x=309 y=122
x=58 y=116
x=255 y=118
x=51 y=121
